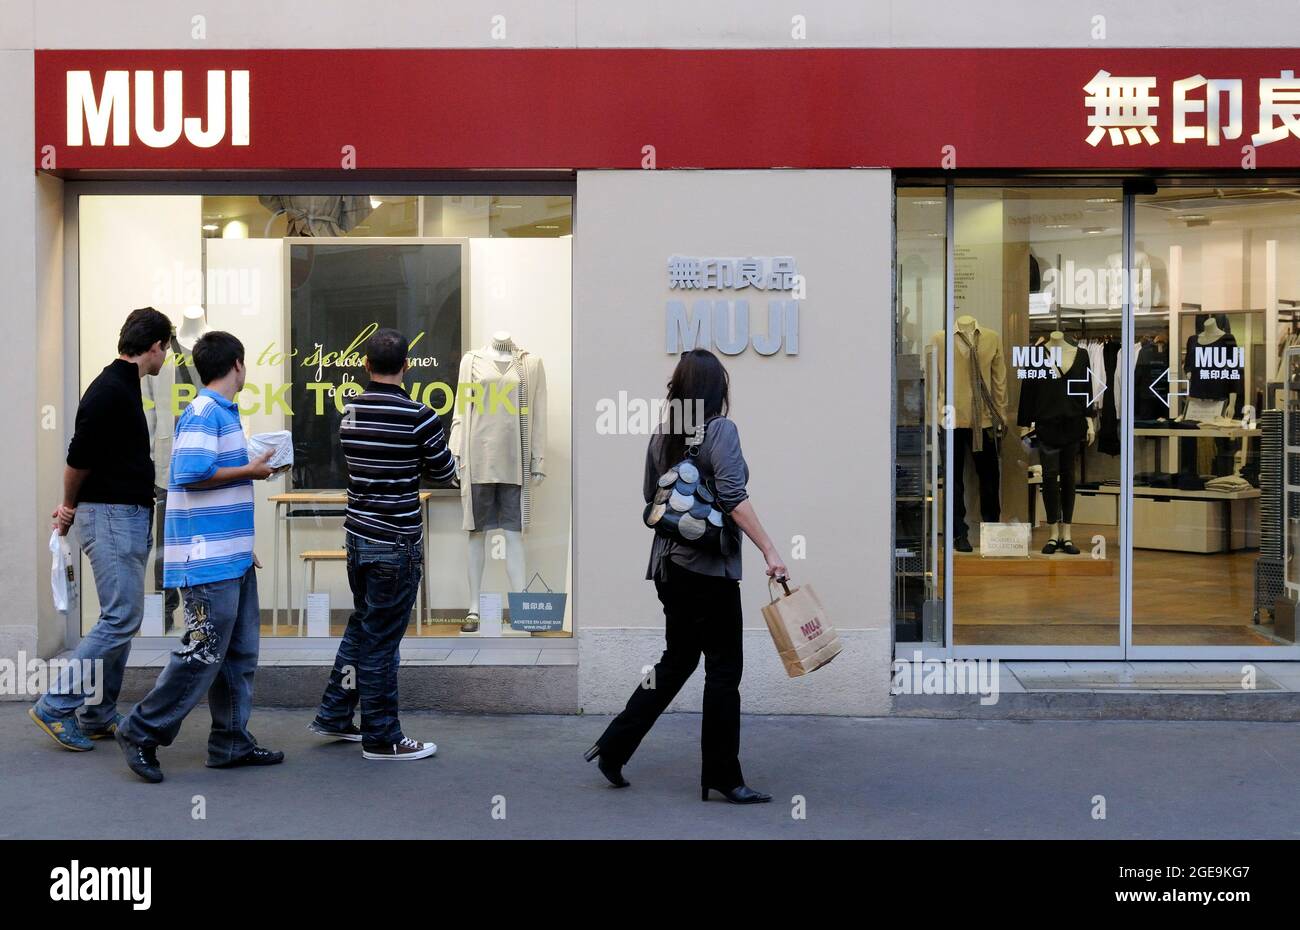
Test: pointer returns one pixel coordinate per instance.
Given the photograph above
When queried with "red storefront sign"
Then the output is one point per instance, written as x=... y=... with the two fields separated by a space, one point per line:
x=417 y=109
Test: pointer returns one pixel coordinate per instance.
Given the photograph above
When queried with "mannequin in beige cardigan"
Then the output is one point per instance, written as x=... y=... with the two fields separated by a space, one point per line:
x=489 y=440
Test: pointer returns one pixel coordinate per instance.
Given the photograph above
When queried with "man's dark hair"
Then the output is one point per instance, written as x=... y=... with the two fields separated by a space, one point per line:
x=141 y=330
x=386 y=351
x=215 y=354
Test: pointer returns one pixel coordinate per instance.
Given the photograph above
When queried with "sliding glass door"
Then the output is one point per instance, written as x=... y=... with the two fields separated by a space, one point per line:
x=1094 y=457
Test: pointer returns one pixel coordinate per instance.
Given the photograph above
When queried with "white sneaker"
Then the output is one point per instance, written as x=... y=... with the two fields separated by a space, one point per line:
x=406 y=749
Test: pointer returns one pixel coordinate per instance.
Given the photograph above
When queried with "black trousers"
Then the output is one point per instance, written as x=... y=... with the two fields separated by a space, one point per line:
x=989 y=470
x=701 y=615
x=1058 y=480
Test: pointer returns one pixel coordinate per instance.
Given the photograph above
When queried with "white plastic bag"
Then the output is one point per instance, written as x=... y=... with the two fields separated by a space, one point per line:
x=279 y=443
x=63 y=577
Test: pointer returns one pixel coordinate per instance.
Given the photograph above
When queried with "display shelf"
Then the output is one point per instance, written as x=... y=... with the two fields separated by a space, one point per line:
x=1210 y=432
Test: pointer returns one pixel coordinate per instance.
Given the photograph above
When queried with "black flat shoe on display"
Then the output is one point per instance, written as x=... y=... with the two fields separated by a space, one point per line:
x=741 y=794
x=612 y=772
x=1051 y=547
x=1068 y=547
x=962 y=544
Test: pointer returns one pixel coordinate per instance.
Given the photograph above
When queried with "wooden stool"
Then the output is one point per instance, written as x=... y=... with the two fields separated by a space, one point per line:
x=310 y=558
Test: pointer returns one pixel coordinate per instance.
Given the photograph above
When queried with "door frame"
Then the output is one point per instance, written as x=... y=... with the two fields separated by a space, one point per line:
x=1132 y=185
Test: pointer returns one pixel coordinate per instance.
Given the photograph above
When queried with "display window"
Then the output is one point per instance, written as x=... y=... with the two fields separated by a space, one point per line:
x=479 y=284
x=1092 y=445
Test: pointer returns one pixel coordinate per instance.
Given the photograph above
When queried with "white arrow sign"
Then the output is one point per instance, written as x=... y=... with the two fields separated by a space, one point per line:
x=1173 y=389
x=1087 y=388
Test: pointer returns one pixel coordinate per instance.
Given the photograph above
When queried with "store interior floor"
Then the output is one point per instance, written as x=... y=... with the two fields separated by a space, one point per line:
x=1180 y=599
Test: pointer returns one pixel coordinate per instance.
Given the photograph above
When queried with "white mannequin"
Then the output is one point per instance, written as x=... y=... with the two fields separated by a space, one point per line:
x=193 y=325
x=1209 y=334
x=501 y=349
x=1056 y=341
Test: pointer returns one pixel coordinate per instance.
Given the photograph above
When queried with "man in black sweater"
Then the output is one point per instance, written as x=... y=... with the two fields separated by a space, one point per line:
x=108 y=492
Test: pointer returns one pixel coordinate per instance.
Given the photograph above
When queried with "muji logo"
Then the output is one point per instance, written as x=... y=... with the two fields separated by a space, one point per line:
x=114 y=106
x=812 y=629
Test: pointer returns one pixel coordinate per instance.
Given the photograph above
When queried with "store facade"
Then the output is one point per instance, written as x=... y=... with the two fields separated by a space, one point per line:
x=604 y=223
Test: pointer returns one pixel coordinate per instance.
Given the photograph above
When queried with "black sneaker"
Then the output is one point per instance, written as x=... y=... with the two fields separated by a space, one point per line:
x=143 y=760
x=258 y=755
x=962 y=544
x=351 y=733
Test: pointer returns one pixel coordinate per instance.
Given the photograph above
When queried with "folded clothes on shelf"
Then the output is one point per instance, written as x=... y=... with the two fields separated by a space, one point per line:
x=1228 y=484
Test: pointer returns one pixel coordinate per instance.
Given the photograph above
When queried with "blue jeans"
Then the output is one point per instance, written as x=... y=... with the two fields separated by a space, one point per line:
x=385 y=580
x=116 y=539
x=217 y=657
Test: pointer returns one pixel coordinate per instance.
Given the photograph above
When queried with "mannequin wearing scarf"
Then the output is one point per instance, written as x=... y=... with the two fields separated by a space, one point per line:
x=978 y=421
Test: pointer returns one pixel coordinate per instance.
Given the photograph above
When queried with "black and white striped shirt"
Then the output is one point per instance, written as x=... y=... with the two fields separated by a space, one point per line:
x=389 y=442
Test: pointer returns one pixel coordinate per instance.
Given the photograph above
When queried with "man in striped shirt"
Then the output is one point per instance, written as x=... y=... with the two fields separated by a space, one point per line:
x=389 y=442
x=209 y=556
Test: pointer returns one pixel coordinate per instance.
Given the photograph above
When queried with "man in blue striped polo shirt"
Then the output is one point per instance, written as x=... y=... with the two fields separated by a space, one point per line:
x=209 y=556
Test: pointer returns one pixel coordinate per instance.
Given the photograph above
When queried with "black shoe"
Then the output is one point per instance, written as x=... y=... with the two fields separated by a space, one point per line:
x=258 y=755
x=612 y=771
x=1068 y=547
x=962 y=544
x=741 y=794
x=143 y=760
x=351 y=732
x=1051 y=547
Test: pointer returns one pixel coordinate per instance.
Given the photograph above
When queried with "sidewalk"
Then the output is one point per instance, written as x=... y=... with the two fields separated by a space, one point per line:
x=884 y=778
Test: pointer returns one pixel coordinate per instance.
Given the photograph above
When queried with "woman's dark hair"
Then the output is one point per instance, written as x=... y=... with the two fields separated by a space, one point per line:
x=141 y=330
x=215 y=354
x=386 y=351
x=698 y=381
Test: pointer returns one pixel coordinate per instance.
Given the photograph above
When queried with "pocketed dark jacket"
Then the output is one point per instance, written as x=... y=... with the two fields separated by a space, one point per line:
x=723 y=464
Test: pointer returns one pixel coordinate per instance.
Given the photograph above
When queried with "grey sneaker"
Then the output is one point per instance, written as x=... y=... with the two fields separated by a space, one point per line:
x=65 y=731
x=406 y=749
x=471 y=623
x=351 y=733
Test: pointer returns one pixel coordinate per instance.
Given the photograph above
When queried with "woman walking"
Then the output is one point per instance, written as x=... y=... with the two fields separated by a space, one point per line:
x=698 y=583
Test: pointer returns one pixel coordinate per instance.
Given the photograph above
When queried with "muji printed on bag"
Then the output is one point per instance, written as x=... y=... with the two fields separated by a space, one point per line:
x=805 y=639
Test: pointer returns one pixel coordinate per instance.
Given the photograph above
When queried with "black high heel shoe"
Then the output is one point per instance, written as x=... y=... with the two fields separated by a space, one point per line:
x=613 y=773
x=741 y=794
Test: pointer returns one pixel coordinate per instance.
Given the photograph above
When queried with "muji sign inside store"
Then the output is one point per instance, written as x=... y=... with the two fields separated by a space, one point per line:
x=416 y=109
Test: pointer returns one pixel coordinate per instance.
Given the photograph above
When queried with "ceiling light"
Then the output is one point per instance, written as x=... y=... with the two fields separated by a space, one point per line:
x=926 y=203
x=1057 y=226
x=1103 y=200
x=540 y=226
x=209 y=227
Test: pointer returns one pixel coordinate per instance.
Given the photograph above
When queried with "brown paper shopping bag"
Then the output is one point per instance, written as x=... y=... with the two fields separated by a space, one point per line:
x=804 y=637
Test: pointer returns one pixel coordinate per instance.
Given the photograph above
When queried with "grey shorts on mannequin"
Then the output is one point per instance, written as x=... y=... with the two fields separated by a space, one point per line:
x=496 y=507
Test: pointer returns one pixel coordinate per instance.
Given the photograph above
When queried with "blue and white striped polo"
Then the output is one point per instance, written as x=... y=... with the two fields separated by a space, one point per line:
x=209 y=531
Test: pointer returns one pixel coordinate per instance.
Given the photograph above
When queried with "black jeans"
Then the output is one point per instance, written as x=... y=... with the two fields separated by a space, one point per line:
x=385 y=580
x=1058 y=480
x=989 y=470
x=701 y=614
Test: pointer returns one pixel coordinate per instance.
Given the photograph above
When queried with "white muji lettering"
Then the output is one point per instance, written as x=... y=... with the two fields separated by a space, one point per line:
x=1035 y=356
x=103 y=883
x=1219 y=357
x=89 y=117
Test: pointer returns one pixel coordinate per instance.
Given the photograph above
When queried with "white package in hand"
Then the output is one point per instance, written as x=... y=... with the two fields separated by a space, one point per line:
x=62 y=571
x=278 y=442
